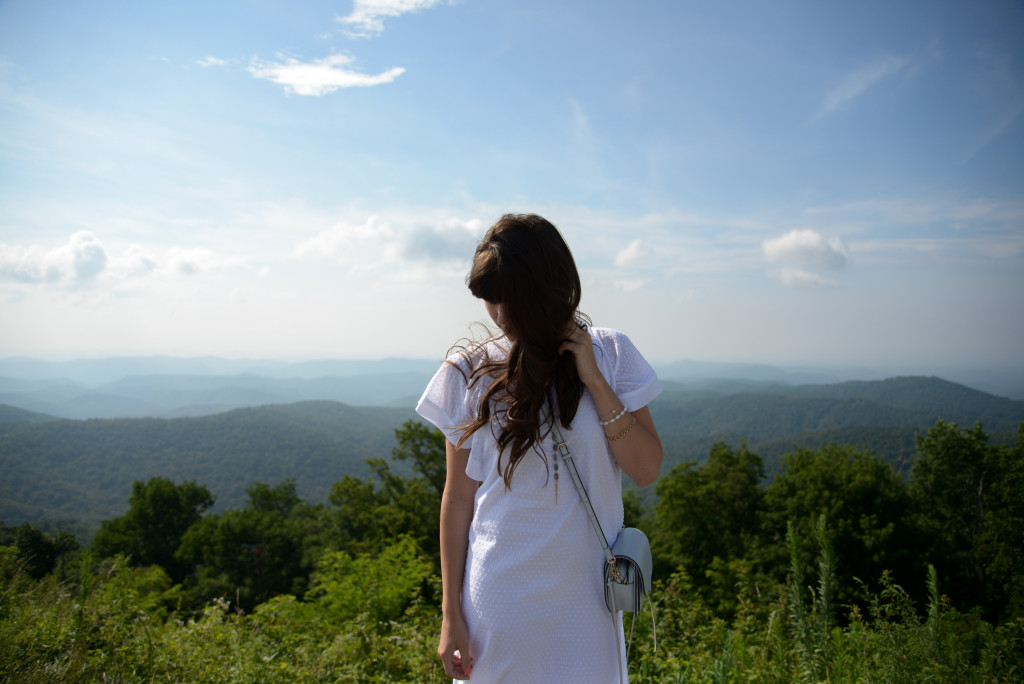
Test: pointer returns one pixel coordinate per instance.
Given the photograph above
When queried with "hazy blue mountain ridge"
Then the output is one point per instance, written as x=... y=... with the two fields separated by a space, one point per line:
x=192 y=395
x=175 y=387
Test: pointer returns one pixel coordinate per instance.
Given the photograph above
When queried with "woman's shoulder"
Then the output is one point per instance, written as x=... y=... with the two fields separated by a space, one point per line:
x=473 y=353
x=609 y=339
x=468 y=363
x=617 y=348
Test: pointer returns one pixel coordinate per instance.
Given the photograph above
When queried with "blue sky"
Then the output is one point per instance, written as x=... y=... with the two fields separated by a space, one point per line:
x=785 y=182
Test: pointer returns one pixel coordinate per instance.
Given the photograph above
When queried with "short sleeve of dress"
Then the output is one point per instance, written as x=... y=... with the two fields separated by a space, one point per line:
x=632 y=378
x=445 y=401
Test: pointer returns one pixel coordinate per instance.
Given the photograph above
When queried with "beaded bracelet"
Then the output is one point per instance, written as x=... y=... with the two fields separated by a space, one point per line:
x=617 y=416
x=624 y=432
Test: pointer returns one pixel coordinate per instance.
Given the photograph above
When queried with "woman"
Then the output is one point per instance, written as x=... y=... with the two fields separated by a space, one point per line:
x=523 y=596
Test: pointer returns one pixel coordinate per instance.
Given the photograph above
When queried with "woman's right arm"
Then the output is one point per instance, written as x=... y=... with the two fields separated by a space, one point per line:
x=456 y=514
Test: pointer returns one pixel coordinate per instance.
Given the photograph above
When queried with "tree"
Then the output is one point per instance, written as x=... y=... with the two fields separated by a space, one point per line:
x=159 y=514
x=253 y=553
x=36 y=552
x=707 y=512
x=867 y=507
x=425 y=447
x=370 y=513
x=970 y=500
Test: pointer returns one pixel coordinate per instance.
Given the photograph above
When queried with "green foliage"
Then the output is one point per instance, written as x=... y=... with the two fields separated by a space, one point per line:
x=380 y=587
x=813 y=578
x=793 y=636
x=160 y=513
x=425 y=447
x=707 y=512
x=114 y=625
x=254 y=553
x=867 y=506
x=370 y=513
x=970 y=495
x=38 y=553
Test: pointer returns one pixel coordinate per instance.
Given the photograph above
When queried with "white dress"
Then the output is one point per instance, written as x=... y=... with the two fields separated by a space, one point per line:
x=532 y=593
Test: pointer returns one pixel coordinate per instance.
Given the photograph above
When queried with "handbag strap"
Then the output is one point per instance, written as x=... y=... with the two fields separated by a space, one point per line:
x=563 y=450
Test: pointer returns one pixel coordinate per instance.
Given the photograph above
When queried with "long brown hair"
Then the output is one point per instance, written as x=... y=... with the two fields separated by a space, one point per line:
x=524 y=264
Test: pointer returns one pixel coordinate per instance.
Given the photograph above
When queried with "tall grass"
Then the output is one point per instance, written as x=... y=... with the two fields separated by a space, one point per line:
x=110 y=622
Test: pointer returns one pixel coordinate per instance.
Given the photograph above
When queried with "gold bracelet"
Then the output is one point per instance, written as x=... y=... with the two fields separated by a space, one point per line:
x=624 y=432
x=614 y=411
x=621 y=412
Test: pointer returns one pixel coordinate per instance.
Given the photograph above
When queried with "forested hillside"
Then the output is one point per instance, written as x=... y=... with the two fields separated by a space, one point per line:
x=81 y=471
x=882 y=416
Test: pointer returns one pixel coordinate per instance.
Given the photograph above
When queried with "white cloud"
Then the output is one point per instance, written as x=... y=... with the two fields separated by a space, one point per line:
x=209 y=61
x=635 y=253
x=319 y=77
x=197 y=261
x=80 y=260
x=806 y=248
x=795 y=277
x=861 y=80
x=348 y=241
x=367 y=17
x=398 y=249
x=21 y=264
x=135 y=261
x=83 y=260
x=451 y=241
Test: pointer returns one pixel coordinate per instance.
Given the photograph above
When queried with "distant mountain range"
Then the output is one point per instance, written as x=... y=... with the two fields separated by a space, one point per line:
x=171 y=387
x=181 y=395
x=74 y=473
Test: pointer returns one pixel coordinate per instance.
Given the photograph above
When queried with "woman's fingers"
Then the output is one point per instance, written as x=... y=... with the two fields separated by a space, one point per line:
x=579 y=343
x=455 y=651
x=457 y=667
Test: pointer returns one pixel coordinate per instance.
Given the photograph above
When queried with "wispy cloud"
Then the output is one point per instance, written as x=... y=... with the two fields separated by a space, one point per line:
x=367 y=17
x=636 y=253
x=1000 y=126
x=197 y=261
x=629 y=285
x=320 y=76
x=861 y=80
x=209 y=61
x=795 y=277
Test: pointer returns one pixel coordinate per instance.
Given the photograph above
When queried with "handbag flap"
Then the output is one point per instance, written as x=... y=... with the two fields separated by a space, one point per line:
x=633 y=544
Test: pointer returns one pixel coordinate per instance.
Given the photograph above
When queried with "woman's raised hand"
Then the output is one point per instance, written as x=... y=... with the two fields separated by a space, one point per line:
x=578 y=342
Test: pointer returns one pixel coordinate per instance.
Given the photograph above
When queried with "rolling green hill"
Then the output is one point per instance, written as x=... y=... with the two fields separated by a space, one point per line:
x=82 y=470
x=13 y=414
x=883 y=416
